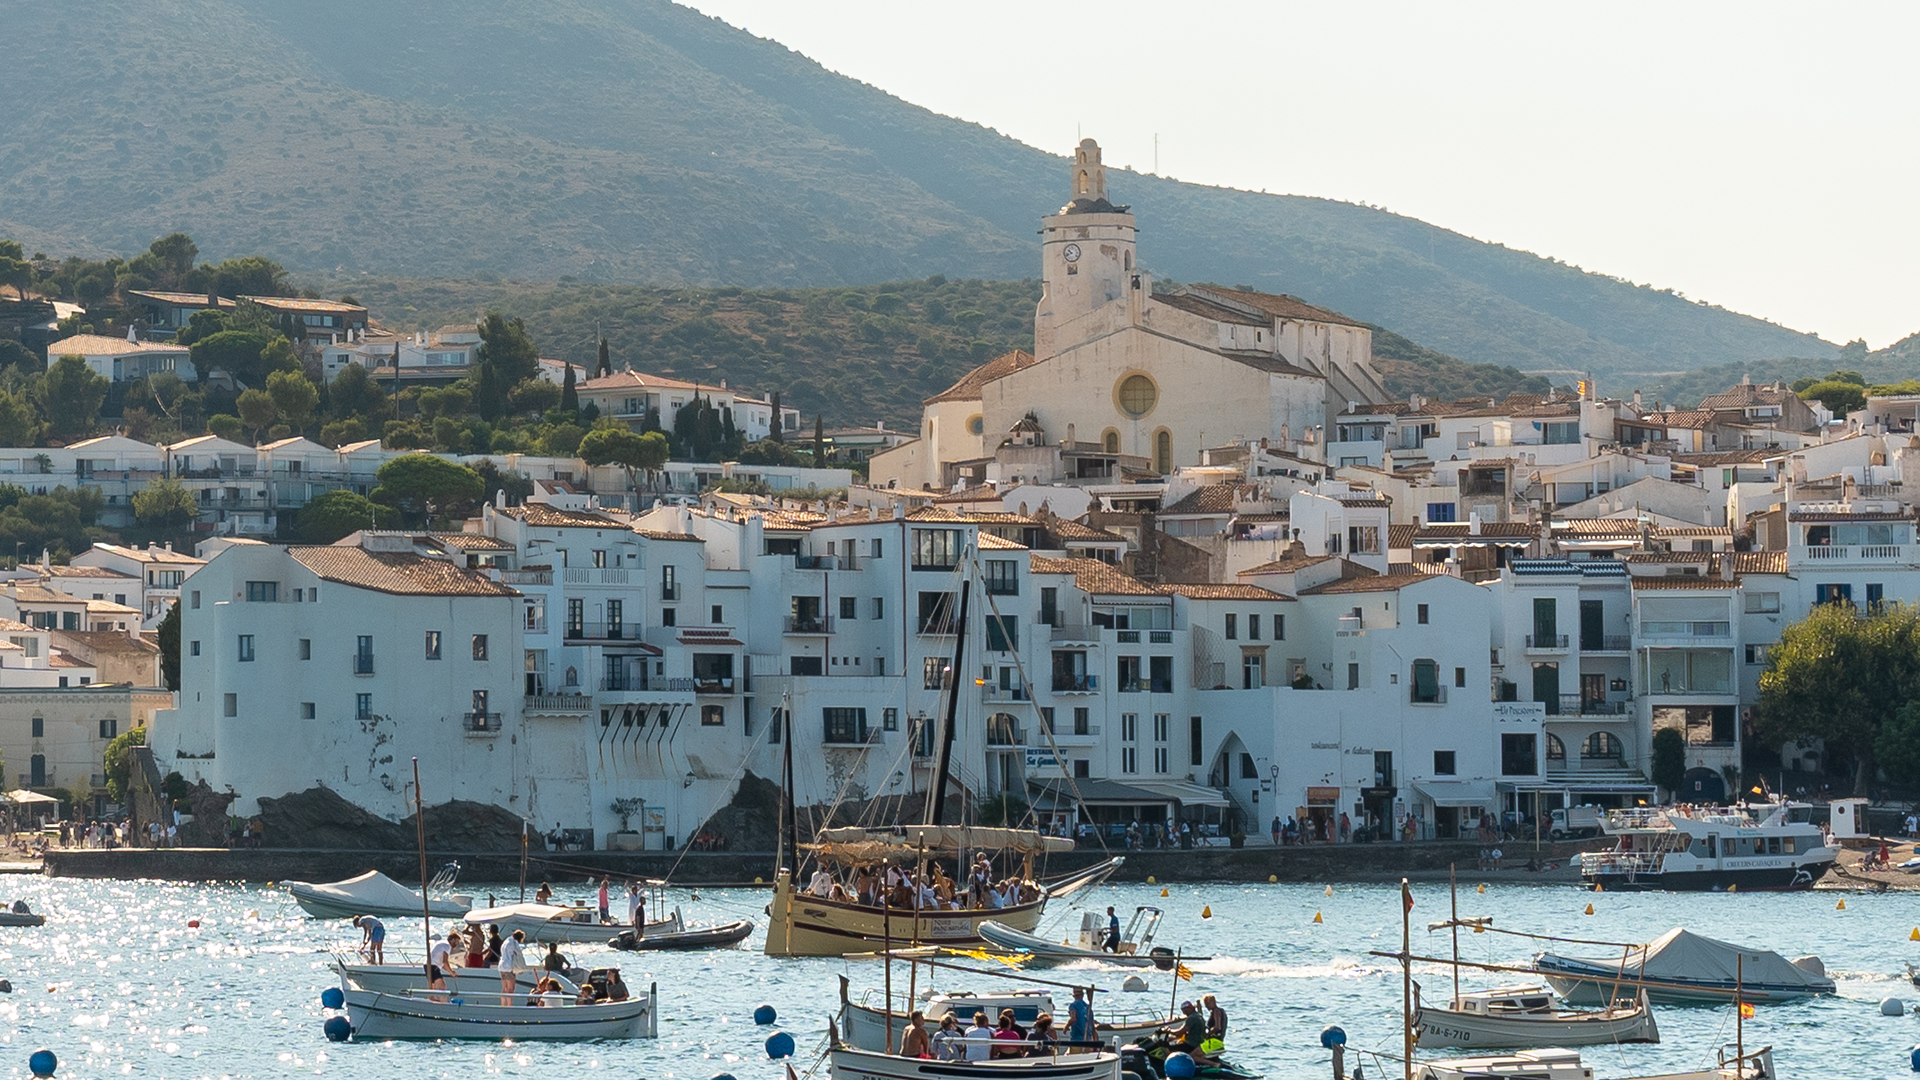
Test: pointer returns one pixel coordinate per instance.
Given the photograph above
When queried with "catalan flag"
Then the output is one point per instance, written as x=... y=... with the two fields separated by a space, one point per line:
x=1182 y=971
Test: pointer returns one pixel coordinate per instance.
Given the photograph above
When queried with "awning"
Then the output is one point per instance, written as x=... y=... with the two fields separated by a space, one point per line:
x=1188 y=794
x=1096 y=792
x=1465 y=793
x=22 y=795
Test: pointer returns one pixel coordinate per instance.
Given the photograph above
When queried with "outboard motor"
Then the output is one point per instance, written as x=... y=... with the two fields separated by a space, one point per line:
x=1134 y=1059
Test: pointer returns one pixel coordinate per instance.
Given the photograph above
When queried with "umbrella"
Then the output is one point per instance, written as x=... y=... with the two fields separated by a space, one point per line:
x=22 y=795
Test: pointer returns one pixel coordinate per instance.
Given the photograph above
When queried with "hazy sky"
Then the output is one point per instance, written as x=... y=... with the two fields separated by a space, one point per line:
x=1764 y=157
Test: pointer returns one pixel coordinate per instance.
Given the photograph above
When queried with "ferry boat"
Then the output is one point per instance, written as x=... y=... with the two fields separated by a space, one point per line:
x=1751 y=846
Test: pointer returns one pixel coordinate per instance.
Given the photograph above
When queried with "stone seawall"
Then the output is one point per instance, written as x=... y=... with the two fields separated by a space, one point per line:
x=1341 y=862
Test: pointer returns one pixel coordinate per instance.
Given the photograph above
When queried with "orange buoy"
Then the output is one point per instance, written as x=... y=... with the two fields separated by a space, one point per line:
x=1317 y=918
x=1589 y=909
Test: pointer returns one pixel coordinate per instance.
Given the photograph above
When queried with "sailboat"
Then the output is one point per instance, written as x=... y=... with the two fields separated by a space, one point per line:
x=805 y=924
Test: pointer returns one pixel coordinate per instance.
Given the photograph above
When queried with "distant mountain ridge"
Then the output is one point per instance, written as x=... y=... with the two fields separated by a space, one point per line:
x=636 y=141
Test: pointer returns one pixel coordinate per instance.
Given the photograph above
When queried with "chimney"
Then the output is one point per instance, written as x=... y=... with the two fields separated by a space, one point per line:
x=899 y=510
x=1069 y=441
x=132 y=335
x=1473 y=523
x=1746 y=380
x=500 y=499
x=1726 y=566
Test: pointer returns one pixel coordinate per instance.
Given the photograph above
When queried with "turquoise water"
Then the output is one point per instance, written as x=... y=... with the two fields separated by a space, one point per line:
x=117 y=984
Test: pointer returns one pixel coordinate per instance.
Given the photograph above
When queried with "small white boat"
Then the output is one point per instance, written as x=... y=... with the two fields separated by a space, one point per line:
x=1526 y=1016
x=579 y=924
x=1548 y=1064
x=1683 y=968
x=847 y=1063
x=863 y=1023
x=374 y=893
x=1136 y=948
x=421 y=1014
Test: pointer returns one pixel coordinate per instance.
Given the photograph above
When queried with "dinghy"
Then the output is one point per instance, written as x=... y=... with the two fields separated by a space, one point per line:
x=374 y=893
x=1136 y=948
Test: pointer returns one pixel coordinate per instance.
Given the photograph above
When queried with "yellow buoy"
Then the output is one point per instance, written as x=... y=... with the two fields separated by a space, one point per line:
x=1207 y=912
x=1483 y=888
x=1735 y=887
x=1150 y=880
x=1915 y=936
x=1842 y=905
x=1479 y=929
x=1163 y=892
x=1598 y=887
x=1589 y=909
x=757 y=881
x=1317 y=918
x=1273 y=879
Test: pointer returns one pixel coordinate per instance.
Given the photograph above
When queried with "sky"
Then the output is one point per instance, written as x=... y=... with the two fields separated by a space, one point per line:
x=1759 y=156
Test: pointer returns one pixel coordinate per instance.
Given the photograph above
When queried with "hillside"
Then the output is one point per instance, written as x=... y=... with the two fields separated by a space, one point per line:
x=634 y=141
x=1896 y=363
x=855 y=354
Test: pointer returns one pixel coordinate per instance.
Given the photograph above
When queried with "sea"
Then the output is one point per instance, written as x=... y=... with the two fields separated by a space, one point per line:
x=224 y=980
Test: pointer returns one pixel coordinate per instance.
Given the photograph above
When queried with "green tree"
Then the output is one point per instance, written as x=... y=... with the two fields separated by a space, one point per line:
x=236 y=352
x=165 y=505
x=426 y=486
x=535 y=396
x=226 y=426
x=19 y=420
x=631 y=451
x=1839 y=396
x=202 y=324
x=332 y=515
x=1840 y=677
x=569 y=394
x=17 y=356
x=604 y=364
x=353 y=392
x=343 y=432
x=70 y=395
x=508 y=357
x=776 y=428
x=117 y=762
x=294 y=396
x=174 y=255
x=167 y=636
x=277 y=355
x=819 y=443
x=1669 y=759
x=257 y=410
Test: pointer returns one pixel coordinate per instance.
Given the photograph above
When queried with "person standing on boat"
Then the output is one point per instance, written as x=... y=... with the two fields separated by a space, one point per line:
x=914 y=1042
x=374 y=938
x=636 y=909
x=476 y=948
x=510 y=963
x=821 y=884
x=1079 y=1018
x=604 y=883
x=1113 y=931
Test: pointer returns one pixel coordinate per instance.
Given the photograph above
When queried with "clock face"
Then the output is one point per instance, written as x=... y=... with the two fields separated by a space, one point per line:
x=1072 y=252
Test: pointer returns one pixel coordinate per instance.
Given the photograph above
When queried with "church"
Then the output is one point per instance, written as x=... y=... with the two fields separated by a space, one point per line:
x=1149 y=377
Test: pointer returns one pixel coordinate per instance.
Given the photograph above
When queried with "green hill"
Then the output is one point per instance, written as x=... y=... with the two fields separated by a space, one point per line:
x=635 y=141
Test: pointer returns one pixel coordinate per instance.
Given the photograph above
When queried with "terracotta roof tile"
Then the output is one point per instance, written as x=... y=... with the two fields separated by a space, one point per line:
x=1279 y=305
x=1093 y=576
x=1225 y=592
x=970 y=384
x=471 y=541
x=109 y=641
x=1691 y=419
x=1401 y=536
x=1698 y=532
x=1741 y=395
x=1725 y=457
x=400 y=573
x=549 y=517
x=1643 y=558
x=1374 y=583
x=1288 y=563
x=990 y=542
x=1682 y=581
x=1602 y=527
x=682 y=538
x=1212 y=499
x=1758 y=562
x=88 y=572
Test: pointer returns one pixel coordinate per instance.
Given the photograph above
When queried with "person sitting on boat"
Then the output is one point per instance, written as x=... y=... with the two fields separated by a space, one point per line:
x=587 y=995
x=840 y=893
x=550 y=993
x=948 y=1044
x=979 y=1039
x=554 y=961
x=942 y=886
x=1188 y=1033
x=543 y=894
x=915 y=1042
x=1216 y=1025
x=616 y=987
x=1079 y=1018
x=1007 y=1037
x=1043 y=1041
x=981 y=882
x=373 y=939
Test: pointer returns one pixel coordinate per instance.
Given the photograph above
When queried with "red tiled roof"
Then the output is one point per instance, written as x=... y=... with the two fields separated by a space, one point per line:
x=400 y=573
x=970 y=384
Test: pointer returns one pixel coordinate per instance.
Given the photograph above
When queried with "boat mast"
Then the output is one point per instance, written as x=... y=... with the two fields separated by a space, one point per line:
x=786 y=845
x=937 y=794
x=1406 y=979
x=420 y=830
x=1453 y=899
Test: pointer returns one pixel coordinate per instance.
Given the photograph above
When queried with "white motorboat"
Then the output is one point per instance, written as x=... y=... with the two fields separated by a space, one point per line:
x=1682 y=968
x=864 y=1022
x=1760 y=846
x=579 y=924
x=423 y=1014
x=847 y=1063
x=1136 y=948
x=1526 y=1016
x=1549 y=1064
x=374 y=893
x=402 y=977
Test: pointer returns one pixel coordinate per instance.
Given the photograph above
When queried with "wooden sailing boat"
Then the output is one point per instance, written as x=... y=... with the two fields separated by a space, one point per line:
x=803 y=924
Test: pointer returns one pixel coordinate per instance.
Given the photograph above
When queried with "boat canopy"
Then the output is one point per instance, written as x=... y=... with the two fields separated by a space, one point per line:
x=1681 y=956
x=372 y=889
x=901 y=841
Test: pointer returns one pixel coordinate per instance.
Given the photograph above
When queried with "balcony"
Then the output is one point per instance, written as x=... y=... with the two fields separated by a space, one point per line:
x=1606 y=643
x=1546 y=642
x=1160 y=637
x=534 y=624
x=1076 y=635
x=1349 y=626
x=1575 y=705
x=1854 y=552
x=993 y=693
x=936 y=627
x=723 y=685
x=825 y=562
x=1435 y=696
x=604 y=631
x=1005 y=734
x=1127 y=637
x=363 y=663
x=549 y=704
x=526 y=577
x=1076 y=684
x=597 y=575
x=809 y=624
x=480 y=723
x=669 y=594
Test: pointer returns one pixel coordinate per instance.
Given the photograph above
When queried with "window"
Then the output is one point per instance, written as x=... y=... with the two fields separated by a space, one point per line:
x=193 y=600
x=38 y=770
x=1252 y=676
x=362 y=706
x=1443 y=763
x=306 y=649
x=1232 y=627
x=1081 y=724
x=576 y=618
x=1129 y=759
x=1363 y=539
x=1426 y=682
x=599 y=558
x=1136 y=396
x=805 y=665
x=1440 y=513
x=1556 y=750
x=1353 y=676
x=845 y=725
x=1160 y=674
x=40 y=726
x=1002 y=577
x=936 y=549
x=433 y=644
x=669 y=617
x=1003 y=633
x=1420 y=614
x=1517 y=755
x=479 y=646
x=1129 y=727
x=230 y=704
x=933 y=672
x=1833 y=594
x=363 y=655
x=1161 y=723
x=1248 y=770
x=713 y=716
x=1563 y=434
x=1603 y=746
x=1163 y=451
x=193 y=648
x=879 y=667
x=1757 y=654
x=890 y=720
x=849 y=608
x=1762 y=602
x=1279 y=628
x=936 y=613
x=1875 y=593
x=1160 y=762
x=1253 y=628
x=1195 y=743
x=876 y=547
x=1460 y=677
x=306 y=710
x=299 y=595
x=1127 y=670
x=669 y=590
x=262 y=592
x=246 y=648
x=879 y=607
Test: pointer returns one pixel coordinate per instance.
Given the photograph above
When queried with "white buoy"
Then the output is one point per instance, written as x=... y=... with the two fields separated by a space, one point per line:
x=1892 y=1007
x=1134 y=984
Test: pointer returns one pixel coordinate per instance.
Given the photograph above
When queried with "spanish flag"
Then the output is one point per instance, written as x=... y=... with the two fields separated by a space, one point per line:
x=1746 y=1011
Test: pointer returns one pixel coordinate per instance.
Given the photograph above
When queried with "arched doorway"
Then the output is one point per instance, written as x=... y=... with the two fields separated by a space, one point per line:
x=1702 y=786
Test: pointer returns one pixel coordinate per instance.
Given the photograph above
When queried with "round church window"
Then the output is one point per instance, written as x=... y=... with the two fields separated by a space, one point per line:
x=976 y=425
x=1137 y=395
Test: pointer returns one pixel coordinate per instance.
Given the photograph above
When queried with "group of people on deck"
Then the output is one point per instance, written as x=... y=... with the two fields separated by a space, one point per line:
x=1199 y=1034
x=903 y=886
x=486 y=949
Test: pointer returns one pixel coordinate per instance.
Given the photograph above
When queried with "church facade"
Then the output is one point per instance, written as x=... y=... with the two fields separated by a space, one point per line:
x=1122 y=369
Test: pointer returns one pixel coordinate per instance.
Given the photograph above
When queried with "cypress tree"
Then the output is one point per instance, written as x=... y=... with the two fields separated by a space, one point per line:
x=819 y=443
x=605 y=366
x=775 y=430
x=569 y=397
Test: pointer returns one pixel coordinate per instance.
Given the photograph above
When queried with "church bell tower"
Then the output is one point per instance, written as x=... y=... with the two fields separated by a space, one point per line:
x=1087 y=257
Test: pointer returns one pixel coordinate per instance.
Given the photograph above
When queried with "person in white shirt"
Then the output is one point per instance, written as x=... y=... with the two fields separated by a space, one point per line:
x=511 y=961
x=979 y=1039
x=821 y=884
x=636 y=909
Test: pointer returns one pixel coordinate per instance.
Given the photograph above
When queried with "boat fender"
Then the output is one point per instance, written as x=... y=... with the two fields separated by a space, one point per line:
x=779 y=1045
x=6 y=986
x=1179 y=1066
x=332 y=998
x=338 y=1028
x=764 y=1015
x=1892 y=1006
x=1331 y=1036
x=42 y=1063
x=723 y=1076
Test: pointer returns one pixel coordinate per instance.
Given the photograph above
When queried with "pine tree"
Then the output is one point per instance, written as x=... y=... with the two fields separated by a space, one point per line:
x=569 y=397
x=605 y=366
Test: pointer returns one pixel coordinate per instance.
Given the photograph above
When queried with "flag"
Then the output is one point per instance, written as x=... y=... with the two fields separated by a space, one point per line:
x=1406 y=895
x=1746 y=1011
x=1182 y=971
